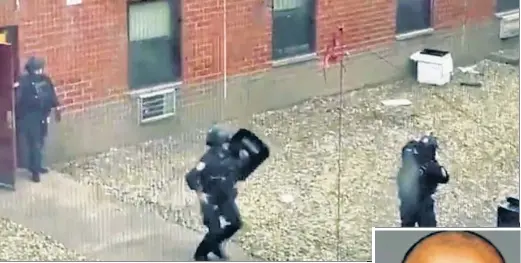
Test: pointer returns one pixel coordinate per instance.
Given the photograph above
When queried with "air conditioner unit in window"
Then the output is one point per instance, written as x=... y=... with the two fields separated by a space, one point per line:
x=156 y=105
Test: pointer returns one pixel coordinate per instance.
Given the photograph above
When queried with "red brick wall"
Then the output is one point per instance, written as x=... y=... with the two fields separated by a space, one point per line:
x=450 y=13
x=365 y=23
x=7 y=13
x=202 y=39
x=86 y=45
x=248 y=39
x=248 y=30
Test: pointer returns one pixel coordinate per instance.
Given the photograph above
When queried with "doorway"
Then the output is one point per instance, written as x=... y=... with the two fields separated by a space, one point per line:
x=7 y=129
x=8 y=73
x=9 y=34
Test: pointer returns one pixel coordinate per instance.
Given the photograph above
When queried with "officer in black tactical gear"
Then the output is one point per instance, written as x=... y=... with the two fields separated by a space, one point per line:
x=418 y=180
x=508 y=212
x=214 y=180
x=35 y=99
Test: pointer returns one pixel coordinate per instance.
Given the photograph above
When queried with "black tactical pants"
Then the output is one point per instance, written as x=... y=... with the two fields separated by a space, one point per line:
x=31 y=130
x=216 y=233
x=421 y=213
x=45 y=131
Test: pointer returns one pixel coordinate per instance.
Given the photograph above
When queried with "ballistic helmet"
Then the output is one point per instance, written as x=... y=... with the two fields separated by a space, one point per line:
x=427 y=147
x=430 y=140
x=33 y=64
x=217 y=136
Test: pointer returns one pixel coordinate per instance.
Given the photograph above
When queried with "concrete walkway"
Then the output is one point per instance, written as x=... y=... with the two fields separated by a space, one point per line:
x=85 y=220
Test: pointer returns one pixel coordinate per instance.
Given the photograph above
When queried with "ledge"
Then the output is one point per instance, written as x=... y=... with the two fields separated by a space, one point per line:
x=160 y=88
x=502 y=15
x=414 y=34
x=510 y=57
x=294 y=60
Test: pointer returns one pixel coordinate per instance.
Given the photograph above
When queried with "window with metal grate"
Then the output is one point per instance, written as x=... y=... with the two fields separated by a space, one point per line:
x=157 y=105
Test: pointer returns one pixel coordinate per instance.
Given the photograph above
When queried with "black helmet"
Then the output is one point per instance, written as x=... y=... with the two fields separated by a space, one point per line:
x=427 y=147
x=33 y=64
x=217 y=136
x=430 y=140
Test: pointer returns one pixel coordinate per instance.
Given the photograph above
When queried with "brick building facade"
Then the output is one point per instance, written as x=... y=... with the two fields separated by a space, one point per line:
x=87 y=46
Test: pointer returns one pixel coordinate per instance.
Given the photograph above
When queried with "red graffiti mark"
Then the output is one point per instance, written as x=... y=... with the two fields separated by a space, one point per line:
x=335 y=52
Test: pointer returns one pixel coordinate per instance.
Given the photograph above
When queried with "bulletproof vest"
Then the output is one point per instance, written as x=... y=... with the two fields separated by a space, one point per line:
x=427 y=184
x=29 y=100
x=43 y=88
x=36 y=93
x=213 y=170
x=219 y=168
x=413 y=180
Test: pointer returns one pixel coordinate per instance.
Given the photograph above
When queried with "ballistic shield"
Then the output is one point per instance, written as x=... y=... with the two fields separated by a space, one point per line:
x=258 y=151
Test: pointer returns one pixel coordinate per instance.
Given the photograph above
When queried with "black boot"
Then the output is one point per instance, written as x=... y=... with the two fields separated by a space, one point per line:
x=201 y=253
x=201 y=258
x=43 y=170
x=36 y=177
x=218 y=251
x=226 y=234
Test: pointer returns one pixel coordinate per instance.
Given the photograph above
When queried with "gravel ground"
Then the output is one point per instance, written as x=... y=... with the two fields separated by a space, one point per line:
x=18 y=243
x=478 y=129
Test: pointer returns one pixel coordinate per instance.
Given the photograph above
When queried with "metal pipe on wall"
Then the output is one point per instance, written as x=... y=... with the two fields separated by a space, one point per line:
x=225 y=53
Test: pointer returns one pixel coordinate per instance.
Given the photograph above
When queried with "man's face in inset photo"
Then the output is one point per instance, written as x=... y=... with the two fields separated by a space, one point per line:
x=453 y=246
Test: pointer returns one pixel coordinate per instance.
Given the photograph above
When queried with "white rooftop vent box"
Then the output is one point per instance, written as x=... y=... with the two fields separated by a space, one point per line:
x=509 y=26
x=433 y=66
